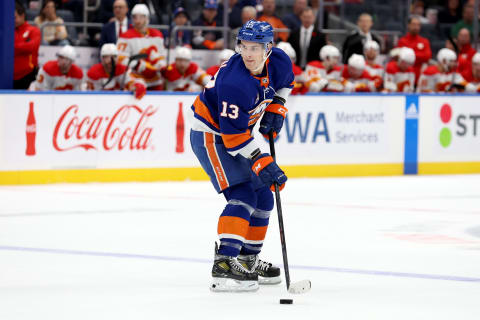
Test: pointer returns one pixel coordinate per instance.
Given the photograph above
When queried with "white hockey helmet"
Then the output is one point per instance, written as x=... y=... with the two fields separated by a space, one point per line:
x=370 y=44
x=356 y=61
x=407 y=54
x=183 y=53
x=476 y=58
x=67 y=52
x=446 y=56
x=141 y=9
x=328 y=51
x=225 y=54
x=288 y=49
x=109 y=49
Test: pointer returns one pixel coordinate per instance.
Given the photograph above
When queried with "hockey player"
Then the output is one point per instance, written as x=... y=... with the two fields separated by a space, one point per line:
x=399 y=74
x=371 y=49
x=355 y=77
x=142 y=39
x=60 y=74
x=223 y=56
x=299 y=87
x=472 y=75
x=249 y=85
x=183 y=74
x=440 y=77
x=108 y=75
x=325 y=75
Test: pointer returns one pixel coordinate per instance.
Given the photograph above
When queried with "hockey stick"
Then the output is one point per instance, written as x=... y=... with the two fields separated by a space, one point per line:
x=296 y=287
x=130 y=60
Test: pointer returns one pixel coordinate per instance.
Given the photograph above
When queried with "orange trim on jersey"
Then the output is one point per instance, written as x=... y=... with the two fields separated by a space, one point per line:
x=234 y=140
x=233 y=225
x=256 y=233
x=264 y=81
x=215 y=161
x=202 y=110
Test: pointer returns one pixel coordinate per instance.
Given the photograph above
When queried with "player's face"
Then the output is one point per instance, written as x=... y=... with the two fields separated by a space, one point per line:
x=64 y=64
x=182 y=65
x=355 y=72
x=403 y=65
x=180 y=19
x=107 y=62
x=139 y=21
x=371 y=54
x=330 y=62
x=252 y=54
x=19 y=19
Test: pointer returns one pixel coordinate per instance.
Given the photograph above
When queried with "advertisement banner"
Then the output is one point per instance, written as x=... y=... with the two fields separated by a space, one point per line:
x=449 y=129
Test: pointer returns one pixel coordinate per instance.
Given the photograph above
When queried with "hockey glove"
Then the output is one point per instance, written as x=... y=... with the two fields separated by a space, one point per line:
x=140 y=90
x=273 y=118
x=269 y=171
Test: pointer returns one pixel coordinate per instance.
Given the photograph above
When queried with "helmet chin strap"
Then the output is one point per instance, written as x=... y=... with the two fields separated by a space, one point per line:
x=265 y=57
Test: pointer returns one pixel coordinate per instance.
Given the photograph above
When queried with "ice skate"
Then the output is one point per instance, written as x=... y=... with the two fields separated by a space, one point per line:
x=229 y=275
x=267 y=272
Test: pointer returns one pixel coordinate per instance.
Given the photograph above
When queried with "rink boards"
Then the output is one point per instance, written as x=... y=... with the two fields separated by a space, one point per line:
x=83 y=137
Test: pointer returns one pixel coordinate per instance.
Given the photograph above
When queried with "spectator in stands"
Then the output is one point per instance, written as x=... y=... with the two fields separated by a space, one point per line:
x=417 y=10
x=269 y=16
x=299 y=86
x=60 y=74
x=465 y=50
x=355 y=41
x=419 y=44
x=223 y=56
x=26 y=44
x=234 y=12
x=306 y=40
x=53 y=35
x=472 y=75
x=209 y=17
x=183 y=74
x=399 y=74
x=468 y=14
x=440 y=77
x=452 y=12
x=325 y=75
x=106 y=11
x=292 y=20
x=248 y=13
x=143 y=40
x=182 y=37
x=118 y=25
x=355 y=77
x=110 y=75
x=371 y=50
x=315 y=5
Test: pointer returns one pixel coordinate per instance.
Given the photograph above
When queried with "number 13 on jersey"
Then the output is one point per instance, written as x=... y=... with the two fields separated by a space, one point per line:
x=230 y=111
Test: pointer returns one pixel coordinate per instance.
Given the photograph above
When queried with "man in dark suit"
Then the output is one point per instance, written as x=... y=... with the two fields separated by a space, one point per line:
x=118 y=24
x=355 y=41
x=307 y=41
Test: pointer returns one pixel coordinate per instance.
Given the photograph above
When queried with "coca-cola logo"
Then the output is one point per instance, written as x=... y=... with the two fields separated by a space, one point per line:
x=125 y=129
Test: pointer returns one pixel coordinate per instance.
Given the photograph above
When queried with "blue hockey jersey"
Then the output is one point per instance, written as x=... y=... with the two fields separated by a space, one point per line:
x=234 y=100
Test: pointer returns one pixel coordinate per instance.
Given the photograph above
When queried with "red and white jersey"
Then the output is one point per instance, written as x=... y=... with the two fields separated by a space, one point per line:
x=133 y=42
x=97 y=77
x=51 y=78
x=315 y=71
x=300 y=79
x=433 y=80
x=213 y=70
x=364 y=83
x=193 y=76
x=473 y=83
x=376 y=72
x=397 y=80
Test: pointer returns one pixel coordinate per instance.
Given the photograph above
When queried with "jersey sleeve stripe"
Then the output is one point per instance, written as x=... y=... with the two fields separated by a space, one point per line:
x=236 y=141
x=202 y=112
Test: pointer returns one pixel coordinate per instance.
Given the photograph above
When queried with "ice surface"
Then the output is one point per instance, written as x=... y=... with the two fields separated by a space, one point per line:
x=374 y=248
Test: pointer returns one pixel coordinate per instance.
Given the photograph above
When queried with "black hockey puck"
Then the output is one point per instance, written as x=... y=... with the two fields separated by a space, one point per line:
x=286 y=301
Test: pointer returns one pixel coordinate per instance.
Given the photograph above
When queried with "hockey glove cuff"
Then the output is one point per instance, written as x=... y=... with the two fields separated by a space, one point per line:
x=269 y=172
x=273 y=118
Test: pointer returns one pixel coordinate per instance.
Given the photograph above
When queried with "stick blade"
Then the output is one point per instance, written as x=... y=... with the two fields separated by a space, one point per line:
x=300 y=287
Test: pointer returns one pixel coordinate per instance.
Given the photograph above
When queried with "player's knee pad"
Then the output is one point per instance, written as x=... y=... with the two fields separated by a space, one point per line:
x=243 y=195
x=264 y=199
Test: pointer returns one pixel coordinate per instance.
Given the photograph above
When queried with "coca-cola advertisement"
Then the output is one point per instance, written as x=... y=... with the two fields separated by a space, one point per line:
x=95 y=131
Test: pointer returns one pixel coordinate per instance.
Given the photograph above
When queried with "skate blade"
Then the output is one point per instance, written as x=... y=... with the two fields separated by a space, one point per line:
x=269 y=281
x=231 y=285
x=300 y=287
